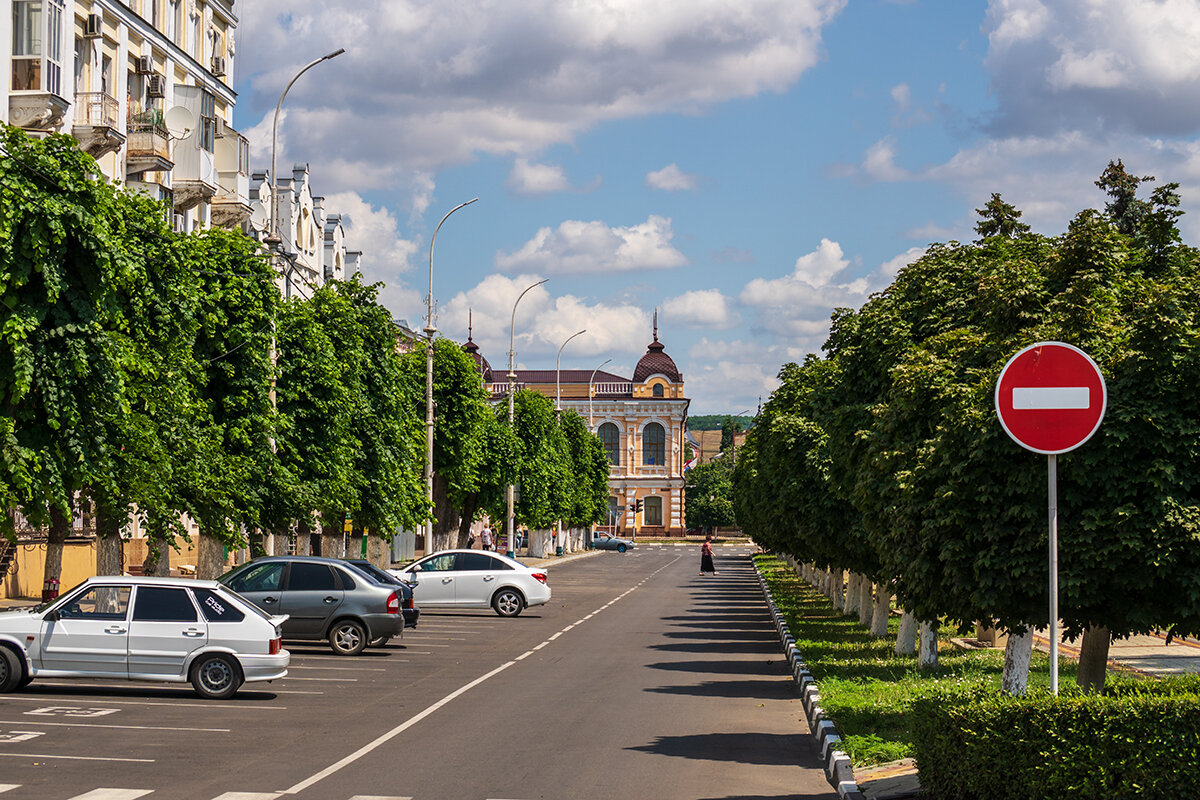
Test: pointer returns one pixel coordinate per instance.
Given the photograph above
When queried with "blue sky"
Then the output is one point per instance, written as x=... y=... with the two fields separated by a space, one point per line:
x=744 y=166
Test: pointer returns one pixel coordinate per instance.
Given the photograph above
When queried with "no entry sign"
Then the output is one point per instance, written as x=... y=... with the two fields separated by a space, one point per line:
x=1051 y=397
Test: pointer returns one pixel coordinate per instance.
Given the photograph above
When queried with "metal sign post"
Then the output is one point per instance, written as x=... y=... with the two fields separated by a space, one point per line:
x=1050 y=399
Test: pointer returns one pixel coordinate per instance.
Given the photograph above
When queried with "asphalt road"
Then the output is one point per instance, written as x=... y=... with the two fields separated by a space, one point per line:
x=639 y=679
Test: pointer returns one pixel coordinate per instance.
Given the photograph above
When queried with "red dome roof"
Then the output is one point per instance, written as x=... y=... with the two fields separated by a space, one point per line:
x=485 y=369
x=656 y=362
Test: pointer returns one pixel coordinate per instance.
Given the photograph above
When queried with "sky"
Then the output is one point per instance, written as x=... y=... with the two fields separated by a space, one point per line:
x=742 y=166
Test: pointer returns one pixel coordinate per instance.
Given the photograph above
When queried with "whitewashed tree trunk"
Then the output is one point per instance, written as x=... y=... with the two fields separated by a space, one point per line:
x=210 y=556
x=906 y=637
x=883 y=610
x=866 y=603
x=537 y=545
x=853 y=585
x=927 y=653
x=1017 y=653
x=837 y=585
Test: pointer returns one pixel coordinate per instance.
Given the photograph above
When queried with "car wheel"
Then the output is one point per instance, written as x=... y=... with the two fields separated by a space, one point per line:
x=381 y=641
x=621 y=548
x=12 y=671
x=347 y=637
x=508 y=602
x=216 y=677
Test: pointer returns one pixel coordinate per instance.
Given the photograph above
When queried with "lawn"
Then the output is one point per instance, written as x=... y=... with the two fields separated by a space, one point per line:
x=865 y=687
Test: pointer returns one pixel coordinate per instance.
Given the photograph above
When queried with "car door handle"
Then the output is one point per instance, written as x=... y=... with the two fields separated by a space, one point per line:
x=330 y=599
x=115 y=629
x=489 y=577
x=193 y=632
x=270 y=599
x=447 y=580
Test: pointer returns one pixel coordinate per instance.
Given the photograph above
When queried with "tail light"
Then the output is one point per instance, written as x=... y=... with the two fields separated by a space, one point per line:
x=541 y=576
x=393 y=606
x=274 y=646
x=408 y=602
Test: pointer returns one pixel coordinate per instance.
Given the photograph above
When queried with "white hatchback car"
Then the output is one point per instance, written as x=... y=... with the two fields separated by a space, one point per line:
x=476 y=579
x=153 y=629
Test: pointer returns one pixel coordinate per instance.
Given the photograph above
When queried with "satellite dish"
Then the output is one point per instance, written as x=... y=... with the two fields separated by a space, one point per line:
x=180 y=122
x=258 y=217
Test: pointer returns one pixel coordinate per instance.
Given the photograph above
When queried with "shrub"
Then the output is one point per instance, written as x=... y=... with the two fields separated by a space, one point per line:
x=1141 y=740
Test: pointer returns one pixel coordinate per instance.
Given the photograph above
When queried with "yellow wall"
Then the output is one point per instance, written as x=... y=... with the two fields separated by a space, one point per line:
x=25 y=576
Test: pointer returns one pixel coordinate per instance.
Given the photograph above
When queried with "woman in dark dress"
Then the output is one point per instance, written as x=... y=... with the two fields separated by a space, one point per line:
x=706 y=556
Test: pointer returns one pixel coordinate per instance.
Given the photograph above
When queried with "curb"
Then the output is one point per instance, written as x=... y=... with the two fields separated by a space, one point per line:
x=838 y=770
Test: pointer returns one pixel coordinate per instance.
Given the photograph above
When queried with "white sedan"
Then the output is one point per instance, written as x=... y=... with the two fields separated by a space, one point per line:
x=476 y=579
x=147 y=629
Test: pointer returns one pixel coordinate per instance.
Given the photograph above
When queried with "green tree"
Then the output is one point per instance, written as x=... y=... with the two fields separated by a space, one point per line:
x=729 y=429
x=708 y=492
x=998 y=218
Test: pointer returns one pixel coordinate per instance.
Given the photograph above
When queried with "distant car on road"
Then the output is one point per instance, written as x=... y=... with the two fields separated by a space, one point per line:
x=324 y=598
x=147 y=629
x=476 y=579
x=604 y=541
x=408 y=604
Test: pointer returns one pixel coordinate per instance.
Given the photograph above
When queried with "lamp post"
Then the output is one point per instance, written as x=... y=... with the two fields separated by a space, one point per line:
x=512 y=388
x=558 y=369
x=430 y=330
x=272 y=226
x=591 y=424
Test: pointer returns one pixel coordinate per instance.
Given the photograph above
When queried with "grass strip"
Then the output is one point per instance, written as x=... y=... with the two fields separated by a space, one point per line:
x=866 y=689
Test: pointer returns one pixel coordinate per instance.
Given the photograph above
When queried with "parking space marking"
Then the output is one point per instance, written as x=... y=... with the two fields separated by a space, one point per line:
x=339 y=680
x=377 y=797
x=341 y=669
x=221 y=707
x=8 y=787
x=113 y=794
x=12 y=737
x=247 y=796
x=78 y=758
x=72 y=711
x=121 y=727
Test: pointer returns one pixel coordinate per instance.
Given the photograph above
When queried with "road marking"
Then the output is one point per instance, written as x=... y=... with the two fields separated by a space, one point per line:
x=12 y=737
x=248 y=796
x=78 y=758
x=377 y=797
x=343 y=669
x=1034 y=398
x=72 y=711
x=113 y=794
x=8 y=787
x=335 y=680
x=121 y=727
x=220 y=707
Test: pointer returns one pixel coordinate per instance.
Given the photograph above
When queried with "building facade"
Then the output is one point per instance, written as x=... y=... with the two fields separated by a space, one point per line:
x=146 y=86
x=642 y=423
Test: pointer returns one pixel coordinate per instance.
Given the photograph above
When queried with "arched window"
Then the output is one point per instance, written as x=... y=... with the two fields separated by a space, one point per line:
x=610 y=437
x=658 y=390
x=653 y=441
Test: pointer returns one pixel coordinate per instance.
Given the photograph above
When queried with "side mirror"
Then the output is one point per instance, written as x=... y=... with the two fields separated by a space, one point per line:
x=416 y=568
x=53 y=616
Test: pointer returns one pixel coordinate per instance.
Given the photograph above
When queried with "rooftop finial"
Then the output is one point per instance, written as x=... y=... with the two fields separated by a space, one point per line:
x=469 y=323
x=656 y=324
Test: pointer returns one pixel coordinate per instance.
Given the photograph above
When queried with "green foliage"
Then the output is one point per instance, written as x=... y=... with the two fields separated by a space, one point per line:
x=544 y=468
x=999 y=218
x=588 y=497
x=729 y=428
x=708 y=490
x=1141 y=743
x=714 y=422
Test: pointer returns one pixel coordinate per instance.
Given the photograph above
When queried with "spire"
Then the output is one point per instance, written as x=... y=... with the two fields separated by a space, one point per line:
x=469 y=323
x=656 y=324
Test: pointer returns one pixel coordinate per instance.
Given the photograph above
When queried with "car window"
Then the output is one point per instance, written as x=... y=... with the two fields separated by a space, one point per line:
x=374 y=572
x=259 y=578
x=163 y=604
x=99 y=602
x=311 y=578
x=216 y=608
x=441 y=563
x=347 y=581
x=480 y=562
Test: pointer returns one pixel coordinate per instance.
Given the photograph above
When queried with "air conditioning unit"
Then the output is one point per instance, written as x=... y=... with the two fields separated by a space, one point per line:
x=178 y=223
x=94 y=26
x=218 y=66
x=157 y=86
x=145 y=65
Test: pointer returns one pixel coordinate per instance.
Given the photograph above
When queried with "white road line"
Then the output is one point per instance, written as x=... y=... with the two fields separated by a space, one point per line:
x=8 y=787
x=122 y=727
x=113 y=794
x=377 y=797
x=248 y=796
x=221 y=707
x=335 y=680
x=77 y=758
x=341 y=669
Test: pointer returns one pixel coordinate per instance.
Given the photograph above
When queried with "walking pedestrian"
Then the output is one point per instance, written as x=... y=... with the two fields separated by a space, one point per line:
x=485 y=538
x=706 y=556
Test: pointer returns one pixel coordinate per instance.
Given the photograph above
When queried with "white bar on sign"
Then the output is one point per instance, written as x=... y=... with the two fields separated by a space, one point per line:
x=1051 y=397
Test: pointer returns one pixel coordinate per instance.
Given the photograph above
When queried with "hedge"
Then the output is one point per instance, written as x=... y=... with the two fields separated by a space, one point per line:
x=1140 y=740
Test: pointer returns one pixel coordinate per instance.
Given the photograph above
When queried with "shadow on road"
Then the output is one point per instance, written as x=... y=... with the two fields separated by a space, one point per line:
x=746 y=748
x=757 y=689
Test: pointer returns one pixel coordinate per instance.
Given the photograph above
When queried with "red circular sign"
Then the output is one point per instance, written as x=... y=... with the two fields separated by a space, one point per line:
x=1051 y=397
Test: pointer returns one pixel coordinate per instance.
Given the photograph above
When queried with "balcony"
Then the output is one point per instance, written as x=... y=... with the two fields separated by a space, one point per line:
x=96 y=123
x=231 y=204
x=148 y=148
x=37 y=111
x=612 y=389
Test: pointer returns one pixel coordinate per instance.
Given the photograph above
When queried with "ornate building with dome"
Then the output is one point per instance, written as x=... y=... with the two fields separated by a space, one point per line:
x=641 y=421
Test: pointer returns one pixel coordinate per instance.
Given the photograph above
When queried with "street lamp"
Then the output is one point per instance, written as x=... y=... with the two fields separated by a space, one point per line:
x=272 y=226
x=558 y=369
x=512 y=388
x=590 y=392
x=429 y=332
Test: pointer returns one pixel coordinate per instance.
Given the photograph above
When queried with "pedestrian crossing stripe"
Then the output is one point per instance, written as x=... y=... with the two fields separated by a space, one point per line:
x=134 y=794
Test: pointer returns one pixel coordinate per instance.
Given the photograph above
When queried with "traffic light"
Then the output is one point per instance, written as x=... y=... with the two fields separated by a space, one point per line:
x=638 y=510
x=633 y=507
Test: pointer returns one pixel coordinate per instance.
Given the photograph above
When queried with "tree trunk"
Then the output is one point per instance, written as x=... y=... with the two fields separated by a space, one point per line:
x=279 y=543
x=377 y=550
x=866 y=608
x=157 y=562
x=883 y=610
x=60 y=528
x=110 y=553
x=333 y=536
x=210 y=555
x=355 y=548
x=445 y=528
x=906 y=637
x=467 y=518
x=853 y=590
x=1093 y=659
x=837 y=589
x=1017 y=653
x=927 y=653
x=537 y=544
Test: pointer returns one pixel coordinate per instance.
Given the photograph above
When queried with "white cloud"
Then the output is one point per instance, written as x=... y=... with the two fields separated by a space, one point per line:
x=508 y=78
x=527 y=178
x=702 y=308
x=880 y=162
x=671 y=179
x=734 y=374
x=901 y=96
x=591 y=247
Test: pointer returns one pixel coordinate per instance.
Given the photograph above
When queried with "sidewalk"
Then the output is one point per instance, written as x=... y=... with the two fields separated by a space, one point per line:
x=1146 y=655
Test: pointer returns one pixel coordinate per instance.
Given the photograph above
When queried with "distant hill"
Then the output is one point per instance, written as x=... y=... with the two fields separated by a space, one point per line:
x=713 y=422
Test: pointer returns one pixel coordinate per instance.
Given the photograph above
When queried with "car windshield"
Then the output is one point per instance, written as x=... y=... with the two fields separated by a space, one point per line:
x=245 y=604
x=371 y=571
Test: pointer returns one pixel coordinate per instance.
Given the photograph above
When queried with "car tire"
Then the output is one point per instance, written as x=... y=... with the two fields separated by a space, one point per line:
x=12 y=671
x=348 y=637
x=508 y=602
x=621 y=548
x=381 y=641
x=216 y=676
